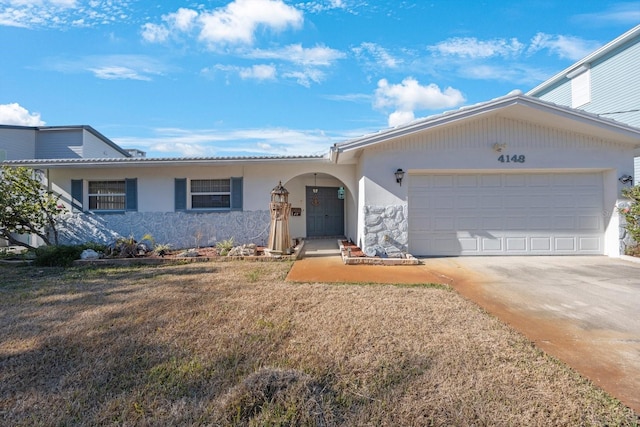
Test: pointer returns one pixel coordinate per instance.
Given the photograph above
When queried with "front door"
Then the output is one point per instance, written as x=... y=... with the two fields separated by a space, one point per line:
x=325 y=212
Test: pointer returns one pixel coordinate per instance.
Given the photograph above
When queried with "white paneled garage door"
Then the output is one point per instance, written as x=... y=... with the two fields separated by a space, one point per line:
x=506 y=214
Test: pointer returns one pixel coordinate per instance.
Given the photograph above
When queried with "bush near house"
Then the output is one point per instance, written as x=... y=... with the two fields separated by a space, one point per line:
x=27 y=207
x=62 y=255
x=631 y=216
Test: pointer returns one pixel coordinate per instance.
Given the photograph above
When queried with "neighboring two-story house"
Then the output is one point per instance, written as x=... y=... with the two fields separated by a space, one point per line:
x=606 y=82
x=56 y=142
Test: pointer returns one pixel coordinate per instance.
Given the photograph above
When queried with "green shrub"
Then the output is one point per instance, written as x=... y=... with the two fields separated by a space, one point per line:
x=64 y=255
x=57 y=255
x=224 y=246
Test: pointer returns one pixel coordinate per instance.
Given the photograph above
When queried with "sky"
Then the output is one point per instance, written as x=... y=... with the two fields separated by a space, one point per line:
x=279 y=77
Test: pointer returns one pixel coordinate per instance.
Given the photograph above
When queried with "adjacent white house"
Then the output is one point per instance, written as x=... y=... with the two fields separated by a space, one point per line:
x=606 y=82
x=515 y=175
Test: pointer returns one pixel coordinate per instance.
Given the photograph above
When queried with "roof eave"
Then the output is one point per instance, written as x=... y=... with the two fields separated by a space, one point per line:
x=155 y=162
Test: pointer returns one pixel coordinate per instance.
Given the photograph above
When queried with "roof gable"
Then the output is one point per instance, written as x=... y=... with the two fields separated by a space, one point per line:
x=515 y=106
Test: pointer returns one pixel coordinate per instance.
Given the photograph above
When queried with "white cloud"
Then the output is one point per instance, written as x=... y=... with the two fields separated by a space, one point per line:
x=514 y=73
x=154 y=33
x=307 y=62
x=259 y=72
x=234 y=24
x=305 y=77
x=566 y=47
x=170 y=142
x=62 y=13
x=350 y=97
x=321 y=6
x=237 y=22
x=617 y=13
x=399 y=118
x=470 y=47
x=409 y=96
x=314 y=56
x=183 y=20
x=112 y=67
x=381 y=57
x=15 y=114
x=115 y=72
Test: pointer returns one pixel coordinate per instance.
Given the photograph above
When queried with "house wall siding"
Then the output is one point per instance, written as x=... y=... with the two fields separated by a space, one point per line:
x=559 y=94
x=615 y=85
x=59 y=144
x=18 y=143
x=95 y=148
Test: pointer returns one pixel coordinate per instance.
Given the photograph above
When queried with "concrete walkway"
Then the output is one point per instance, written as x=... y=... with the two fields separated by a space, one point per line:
x=321 y=262
x=581 y=310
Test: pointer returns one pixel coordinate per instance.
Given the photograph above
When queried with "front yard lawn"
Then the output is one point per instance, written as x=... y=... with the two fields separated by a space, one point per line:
x=232 y=343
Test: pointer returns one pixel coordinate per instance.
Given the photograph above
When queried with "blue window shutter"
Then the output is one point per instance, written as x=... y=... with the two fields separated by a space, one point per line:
x=76 y=195
x=236 y=194
x=131 y=197
x=181 y=194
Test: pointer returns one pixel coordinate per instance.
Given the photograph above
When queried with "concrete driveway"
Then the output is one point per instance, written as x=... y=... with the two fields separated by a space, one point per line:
x=583 y=310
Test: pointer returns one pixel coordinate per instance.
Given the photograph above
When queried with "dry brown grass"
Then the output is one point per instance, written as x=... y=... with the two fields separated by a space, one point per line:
x=234 y=344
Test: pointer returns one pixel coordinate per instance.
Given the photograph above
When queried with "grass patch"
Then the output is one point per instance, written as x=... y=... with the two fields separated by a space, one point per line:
x=232 y=343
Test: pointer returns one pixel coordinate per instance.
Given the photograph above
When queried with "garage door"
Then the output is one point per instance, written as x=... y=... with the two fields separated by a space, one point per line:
x=506 y=214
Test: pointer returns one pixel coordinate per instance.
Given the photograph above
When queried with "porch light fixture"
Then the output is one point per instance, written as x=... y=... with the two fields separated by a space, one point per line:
x=399 y=176
x=626 y=179
x=315 y=201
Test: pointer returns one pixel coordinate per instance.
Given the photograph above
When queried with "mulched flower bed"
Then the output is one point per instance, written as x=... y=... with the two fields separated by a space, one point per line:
x=355 y=250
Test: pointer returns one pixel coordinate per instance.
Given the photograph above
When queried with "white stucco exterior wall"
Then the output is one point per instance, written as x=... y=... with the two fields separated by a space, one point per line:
x=156 y=186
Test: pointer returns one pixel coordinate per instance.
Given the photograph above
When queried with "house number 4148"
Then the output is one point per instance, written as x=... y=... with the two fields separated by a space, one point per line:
x=516 y=158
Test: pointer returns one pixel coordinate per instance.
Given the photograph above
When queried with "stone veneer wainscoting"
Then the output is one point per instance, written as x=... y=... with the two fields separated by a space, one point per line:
x=386 y=230
x=179 y=229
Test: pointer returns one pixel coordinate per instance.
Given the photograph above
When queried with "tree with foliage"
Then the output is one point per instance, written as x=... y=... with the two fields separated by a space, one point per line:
x=631 y=213
x=27 y=207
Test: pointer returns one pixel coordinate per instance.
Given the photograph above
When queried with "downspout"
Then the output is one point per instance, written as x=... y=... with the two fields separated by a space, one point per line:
x=334 y=154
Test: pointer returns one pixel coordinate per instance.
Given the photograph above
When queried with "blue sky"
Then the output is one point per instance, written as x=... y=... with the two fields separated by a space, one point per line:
x=278 y=77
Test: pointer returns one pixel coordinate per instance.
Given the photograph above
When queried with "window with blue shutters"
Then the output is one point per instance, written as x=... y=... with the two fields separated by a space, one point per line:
x=106 y=195
x=77 y=190
x=180 y=194
x=208 y=194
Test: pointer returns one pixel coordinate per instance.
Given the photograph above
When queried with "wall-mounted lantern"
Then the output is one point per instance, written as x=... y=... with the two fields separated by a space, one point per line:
x=341 y=193
x=399 y=176
x=626 y=179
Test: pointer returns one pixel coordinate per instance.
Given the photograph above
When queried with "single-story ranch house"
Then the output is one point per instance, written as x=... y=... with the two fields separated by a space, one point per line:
x=512 y=176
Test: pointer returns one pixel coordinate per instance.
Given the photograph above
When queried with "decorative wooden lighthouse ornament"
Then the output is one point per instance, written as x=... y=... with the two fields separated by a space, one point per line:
x=279 y=239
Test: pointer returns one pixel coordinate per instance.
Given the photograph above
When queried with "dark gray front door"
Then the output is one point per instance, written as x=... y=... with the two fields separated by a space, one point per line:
x=325 y=212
